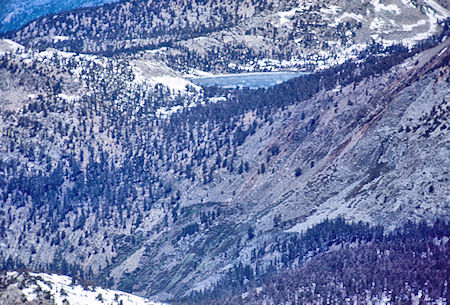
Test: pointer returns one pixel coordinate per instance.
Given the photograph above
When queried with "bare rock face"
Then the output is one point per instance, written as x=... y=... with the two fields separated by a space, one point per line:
x=366 y=140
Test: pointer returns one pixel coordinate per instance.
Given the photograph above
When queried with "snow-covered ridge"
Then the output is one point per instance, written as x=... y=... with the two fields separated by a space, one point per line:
x=9 y=46
x=63 y=290
x=154 y=72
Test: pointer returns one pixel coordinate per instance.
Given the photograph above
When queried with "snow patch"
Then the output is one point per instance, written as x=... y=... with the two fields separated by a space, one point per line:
x=197 y=73
x=407 y=3
x=68 y=97
x=284 y=18
x=59 y=38
x=377 y=24
x=49 y=53
x=432 y=22
x=9 y=46
x=63 y=291
x=331 y=9
x=383 y=7
x=440 y=11
x=153 y=72
x=164 y=112
x=173 y=83
x=410 y=27
x=217 y=99
x=346 y=16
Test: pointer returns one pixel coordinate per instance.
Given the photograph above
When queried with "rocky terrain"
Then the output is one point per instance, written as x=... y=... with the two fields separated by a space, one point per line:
x=116 y=168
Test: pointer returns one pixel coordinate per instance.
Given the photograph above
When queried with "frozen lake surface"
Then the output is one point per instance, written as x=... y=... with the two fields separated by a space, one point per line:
x=249 y=80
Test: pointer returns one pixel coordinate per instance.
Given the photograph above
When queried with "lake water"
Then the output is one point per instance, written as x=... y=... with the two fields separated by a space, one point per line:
x=248 y=80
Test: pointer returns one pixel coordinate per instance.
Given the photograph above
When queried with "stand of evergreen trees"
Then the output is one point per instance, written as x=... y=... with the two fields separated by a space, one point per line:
x=335 y=262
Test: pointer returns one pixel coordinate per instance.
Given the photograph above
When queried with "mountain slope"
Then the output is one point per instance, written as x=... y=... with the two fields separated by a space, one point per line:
x=15 y=14
x=339 y=263
x=350 y=165
x=249 y=35
x=96 y=184
x=117 y=169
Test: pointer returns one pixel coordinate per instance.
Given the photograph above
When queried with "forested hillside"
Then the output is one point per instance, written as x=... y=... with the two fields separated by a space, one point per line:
x=338 y=263
x=238 y=35
x=117 y=169
x=99 y=186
